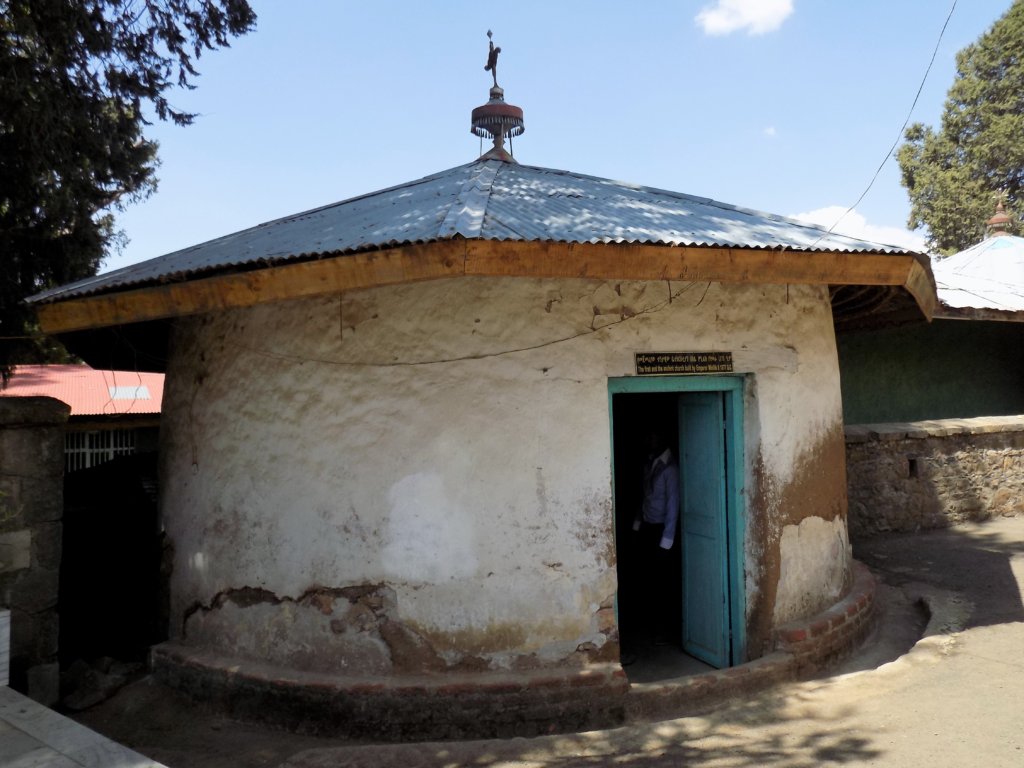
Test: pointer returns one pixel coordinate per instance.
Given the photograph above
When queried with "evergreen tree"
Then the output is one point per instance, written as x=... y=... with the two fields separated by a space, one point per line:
x=76 y=80
x=953 y=175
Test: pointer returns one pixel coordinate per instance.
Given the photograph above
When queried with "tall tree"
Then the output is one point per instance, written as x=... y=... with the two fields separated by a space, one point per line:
x=954 y=174
x=77 y=80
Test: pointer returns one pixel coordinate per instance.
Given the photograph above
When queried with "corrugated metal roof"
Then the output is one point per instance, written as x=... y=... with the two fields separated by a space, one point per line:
x=986 y=276
x=488 y=200
x=88 y=391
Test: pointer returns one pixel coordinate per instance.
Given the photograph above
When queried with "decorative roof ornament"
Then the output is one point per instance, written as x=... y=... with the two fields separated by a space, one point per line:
x=1000 y=223
x=492 y=59
x=496 y=120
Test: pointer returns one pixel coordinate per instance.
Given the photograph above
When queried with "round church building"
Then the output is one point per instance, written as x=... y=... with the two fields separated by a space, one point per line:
x=490 y=447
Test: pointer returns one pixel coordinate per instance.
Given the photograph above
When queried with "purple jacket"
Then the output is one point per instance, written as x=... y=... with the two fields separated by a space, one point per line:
x=661 y=497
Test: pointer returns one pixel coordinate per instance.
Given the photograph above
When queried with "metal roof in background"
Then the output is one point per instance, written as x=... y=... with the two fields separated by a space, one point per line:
x=88 y=391
x=487 y=200
x=986 y=276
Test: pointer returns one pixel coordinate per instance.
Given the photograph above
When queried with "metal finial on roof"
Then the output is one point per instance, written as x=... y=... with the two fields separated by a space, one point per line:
x=496 y=120
x=999 y=224
x=492 y=58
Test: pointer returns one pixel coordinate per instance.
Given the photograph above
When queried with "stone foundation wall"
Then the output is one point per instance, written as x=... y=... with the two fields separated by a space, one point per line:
x=932 y=474
x=387 y=708
x=31 y=506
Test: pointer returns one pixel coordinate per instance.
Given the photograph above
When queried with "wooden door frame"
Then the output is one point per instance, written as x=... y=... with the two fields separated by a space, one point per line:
x=732 y=388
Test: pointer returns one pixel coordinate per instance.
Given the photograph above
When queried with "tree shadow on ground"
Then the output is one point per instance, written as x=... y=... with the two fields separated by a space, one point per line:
x=974 y=560
x=793 y=725
x=768 y=730
x=787 y=726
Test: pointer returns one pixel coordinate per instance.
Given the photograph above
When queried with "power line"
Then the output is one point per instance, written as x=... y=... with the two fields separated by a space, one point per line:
x=903 y=128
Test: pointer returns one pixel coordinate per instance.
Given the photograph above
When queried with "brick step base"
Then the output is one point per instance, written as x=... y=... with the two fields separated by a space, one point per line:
x=802 y=649
x=503 y=704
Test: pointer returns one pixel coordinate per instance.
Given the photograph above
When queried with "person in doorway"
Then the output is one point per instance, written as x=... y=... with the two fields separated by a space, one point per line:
x=655 y=525
x=659 y=512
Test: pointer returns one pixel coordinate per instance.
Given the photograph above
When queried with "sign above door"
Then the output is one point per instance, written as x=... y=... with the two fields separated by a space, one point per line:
x=675 y=363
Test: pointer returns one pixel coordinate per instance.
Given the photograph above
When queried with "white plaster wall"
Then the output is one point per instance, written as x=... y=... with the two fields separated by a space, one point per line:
x=451 y=440
x=797 y=406
x=814 y=557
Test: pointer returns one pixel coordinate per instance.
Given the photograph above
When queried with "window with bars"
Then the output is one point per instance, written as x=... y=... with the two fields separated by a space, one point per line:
x=89 y=449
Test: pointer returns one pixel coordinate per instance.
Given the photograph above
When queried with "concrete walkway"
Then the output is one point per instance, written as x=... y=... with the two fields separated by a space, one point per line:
x=33 y=736
x=953 y=698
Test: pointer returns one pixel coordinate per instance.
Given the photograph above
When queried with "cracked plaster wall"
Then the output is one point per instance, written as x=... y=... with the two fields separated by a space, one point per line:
x=445 y=445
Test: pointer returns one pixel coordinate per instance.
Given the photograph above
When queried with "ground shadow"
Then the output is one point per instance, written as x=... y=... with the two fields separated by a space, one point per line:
x=792 y=725
x=761 y=731
x=972 y=560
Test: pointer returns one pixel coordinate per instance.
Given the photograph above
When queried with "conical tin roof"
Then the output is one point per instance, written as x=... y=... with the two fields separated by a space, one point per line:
x=988 y=276
x=483 y=200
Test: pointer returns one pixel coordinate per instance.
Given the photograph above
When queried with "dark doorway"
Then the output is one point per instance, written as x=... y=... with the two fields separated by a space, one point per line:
x=110 y=575
x=650 y=593
x=678 y=610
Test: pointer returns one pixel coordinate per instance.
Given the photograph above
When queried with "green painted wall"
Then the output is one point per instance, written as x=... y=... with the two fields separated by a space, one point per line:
x=945 y=369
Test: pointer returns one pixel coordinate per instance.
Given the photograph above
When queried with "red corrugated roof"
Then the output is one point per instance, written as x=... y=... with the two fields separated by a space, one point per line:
x=90 y=392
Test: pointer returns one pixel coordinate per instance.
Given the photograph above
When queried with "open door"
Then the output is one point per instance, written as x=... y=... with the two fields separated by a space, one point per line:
x=705 y=598
x=704 y=534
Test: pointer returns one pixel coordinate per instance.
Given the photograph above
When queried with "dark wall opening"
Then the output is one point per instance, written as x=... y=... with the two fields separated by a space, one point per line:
x=650 y=593
x=110 y=577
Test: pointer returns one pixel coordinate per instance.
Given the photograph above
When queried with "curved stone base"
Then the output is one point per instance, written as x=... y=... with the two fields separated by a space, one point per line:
x=504 y=704
x=818 y=641
x=456 y=706
x=802 y=649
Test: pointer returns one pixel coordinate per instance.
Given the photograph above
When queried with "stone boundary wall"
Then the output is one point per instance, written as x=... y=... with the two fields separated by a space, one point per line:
x=912 y=476
x=31 y=507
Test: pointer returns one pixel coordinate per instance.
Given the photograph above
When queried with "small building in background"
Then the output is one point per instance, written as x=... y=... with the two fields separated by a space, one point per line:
x=113 y=413
x=105 y=545
x=969 y=361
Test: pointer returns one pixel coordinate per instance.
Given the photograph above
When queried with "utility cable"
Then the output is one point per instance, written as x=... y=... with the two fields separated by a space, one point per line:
x=906 y=122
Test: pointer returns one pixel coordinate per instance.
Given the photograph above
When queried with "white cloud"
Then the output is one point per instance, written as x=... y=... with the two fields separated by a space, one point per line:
x=770 y=131
x=855 y=225
x=756 y=17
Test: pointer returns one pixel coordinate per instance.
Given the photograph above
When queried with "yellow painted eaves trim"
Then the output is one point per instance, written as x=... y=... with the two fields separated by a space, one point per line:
x=455 y=258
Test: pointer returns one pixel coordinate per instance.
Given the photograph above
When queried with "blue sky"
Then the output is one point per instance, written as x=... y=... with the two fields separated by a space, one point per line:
x=786 y=106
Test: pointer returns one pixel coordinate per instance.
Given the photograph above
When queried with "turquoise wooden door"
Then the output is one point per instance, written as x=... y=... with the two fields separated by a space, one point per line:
x=702 y=474
x=712 y=524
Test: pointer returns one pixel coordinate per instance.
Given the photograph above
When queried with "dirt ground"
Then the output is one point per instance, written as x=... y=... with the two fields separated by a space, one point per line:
x=169 y=727
x=172 y=729
x=869 y=711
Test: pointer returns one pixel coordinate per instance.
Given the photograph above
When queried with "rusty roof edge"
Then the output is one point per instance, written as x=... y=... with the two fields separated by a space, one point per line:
x=945 y=312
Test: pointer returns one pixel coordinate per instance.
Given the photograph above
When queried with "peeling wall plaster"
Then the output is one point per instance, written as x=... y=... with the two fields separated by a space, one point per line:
x=812 y=573
x=450 y=439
